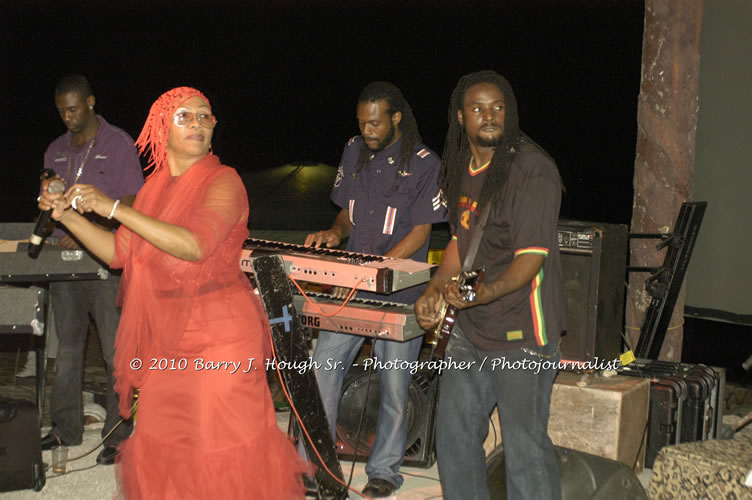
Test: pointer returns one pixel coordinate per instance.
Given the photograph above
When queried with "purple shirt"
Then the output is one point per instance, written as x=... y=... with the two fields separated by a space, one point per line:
x=111 y=164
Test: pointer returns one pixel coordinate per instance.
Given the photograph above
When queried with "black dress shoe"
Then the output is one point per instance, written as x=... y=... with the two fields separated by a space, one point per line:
x=379 y=488
x=107 y=455
x=51 y=441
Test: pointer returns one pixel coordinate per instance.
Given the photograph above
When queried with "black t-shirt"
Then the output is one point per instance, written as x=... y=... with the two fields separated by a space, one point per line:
x=523 y=219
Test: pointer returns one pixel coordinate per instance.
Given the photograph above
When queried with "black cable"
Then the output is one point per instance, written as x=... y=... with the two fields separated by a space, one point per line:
x=362 y=415
x=133 y=408
x=70 y=471
x=643 y=442
x=420 y=476
x=496 y=434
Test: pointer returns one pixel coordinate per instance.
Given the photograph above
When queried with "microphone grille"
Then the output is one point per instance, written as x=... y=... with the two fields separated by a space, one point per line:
x=56 y=186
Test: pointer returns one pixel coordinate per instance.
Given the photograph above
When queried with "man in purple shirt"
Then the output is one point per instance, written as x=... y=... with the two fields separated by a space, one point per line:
x=91 y=152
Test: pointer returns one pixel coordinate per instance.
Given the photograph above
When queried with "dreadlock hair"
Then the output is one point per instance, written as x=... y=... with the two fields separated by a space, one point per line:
x=456 y=154
x=376 y=91
x=73 y=83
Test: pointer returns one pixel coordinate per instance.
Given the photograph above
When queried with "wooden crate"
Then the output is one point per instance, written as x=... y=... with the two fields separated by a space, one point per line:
x=602 y=416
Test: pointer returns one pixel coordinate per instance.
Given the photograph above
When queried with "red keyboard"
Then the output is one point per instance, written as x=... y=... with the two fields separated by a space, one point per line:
x=364 y=317
x=340 y=268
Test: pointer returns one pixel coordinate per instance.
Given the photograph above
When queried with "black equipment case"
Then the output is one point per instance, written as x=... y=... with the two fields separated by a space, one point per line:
x=686 y=402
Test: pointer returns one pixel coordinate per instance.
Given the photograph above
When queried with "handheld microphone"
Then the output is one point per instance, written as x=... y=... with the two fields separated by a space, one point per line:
x=35 y=241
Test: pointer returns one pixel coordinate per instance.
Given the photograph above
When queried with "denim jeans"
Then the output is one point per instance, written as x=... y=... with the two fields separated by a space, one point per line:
x=388 y=450
x=73 y=301
x=466 y=399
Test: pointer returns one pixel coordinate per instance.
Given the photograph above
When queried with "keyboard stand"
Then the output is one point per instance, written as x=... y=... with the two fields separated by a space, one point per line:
x=665 y=282
x=24 y=320
x=22 y=274
x=291 y=350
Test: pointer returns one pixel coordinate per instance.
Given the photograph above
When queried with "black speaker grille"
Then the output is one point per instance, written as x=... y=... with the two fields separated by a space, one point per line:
x=357 y=395
x=593 y=261
x=577 y=273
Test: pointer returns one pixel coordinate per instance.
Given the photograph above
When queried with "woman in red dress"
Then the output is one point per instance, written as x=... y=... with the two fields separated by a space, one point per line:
x=192 y=336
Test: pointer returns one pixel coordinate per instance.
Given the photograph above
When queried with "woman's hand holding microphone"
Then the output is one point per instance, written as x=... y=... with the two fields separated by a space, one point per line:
x=83 y=198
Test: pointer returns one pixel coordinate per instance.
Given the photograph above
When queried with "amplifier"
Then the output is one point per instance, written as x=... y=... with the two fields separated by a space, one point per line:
x=593 y=260
x=359 y=414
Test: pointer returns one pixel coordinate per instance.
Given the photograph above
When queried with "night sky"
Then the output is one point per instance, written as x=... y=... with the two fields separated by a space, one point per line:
x=283 y=81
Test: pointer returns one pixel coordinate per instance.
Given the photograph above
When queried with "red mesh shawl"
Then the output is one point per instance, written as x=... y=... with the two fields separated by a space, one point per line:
x=157 y=290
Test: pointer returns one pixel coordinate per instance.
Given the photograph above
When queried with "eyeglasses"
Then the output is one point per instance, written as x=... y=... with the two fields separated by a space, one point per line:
x=185 y=118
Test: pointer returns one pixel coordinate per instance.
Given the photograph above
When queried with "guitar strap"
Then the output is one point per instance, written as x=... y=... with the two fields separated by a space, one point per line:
x=440 y=336
x=467 y=265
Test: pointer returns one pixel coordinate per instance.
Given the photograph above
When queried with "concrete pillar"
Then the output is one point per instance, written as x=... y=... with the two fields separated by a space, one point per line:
x=664 y=163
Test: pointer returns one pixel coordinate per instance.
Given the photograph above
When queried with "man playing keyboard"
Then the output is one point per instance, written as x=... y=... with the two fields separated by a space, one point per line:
x=387 y=189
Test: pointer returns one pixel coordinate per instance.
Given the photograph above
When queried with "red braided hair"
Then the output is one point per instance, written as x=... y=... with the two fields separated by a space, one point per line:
x=153 y=137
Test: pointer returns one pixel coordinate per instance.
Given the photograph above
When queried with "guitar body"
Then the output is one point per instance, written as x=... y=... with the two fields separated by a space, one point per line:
x=467 y=284
x=444 y=331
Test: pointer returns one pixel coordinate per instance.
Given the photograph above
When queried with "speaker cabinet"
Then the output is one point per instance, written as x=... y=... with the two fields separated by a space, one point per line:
x=593 y=261
x=360 y=401
x=583 y=476
x=21 y=464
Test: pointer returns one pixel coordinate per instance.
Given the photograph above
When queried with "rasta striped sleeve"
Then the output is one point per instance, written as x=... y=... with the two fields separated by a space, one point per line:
x=536 y=305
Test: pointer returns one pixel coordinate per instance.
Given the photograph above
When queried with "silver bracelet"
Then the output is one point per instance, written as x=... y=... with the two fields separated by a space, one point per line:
x=114 y=207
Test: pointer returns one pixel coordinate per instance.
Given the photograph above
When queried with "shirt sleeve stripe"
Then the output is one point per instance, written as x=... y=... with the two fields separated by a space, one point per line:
x=533 y=250
x=536 y=307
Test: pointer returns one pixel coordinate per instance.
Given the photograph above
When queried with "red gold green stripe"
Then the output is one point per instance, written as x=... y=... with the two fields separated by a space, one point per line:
x=474 y=171
x=539 y=324
x=534 y=250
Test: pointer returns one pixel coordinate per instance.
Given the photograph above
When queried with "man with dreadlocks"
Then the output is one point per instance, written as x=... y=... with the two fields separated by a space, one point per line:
x=387 y=187
x=511 y=330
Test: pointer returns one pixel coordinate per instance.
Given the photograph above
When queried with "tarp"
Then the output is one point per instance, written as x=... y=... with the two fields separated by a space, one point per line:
x=291 y=201
x=293 y=196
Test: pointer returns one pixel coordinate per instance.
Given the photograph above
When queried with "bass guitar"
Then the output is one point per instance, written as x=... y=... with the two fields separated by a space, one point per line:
x=467 y=284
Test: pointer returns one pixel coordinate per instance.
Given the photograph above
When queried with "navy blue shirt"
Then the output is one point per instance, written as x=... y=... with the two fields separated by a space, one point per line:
x=385 y=205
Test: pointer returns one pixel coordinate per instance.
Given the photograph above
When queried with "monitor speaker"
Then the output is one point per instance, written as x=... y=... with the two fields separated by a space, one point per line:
x=593 y=261
x=583 y=477
x=360 y=401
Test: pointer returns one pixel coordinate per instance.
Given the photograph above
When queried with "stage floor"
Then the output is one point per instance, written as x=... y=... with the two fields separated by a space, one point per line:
x=86 y=480
x=91 y=481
